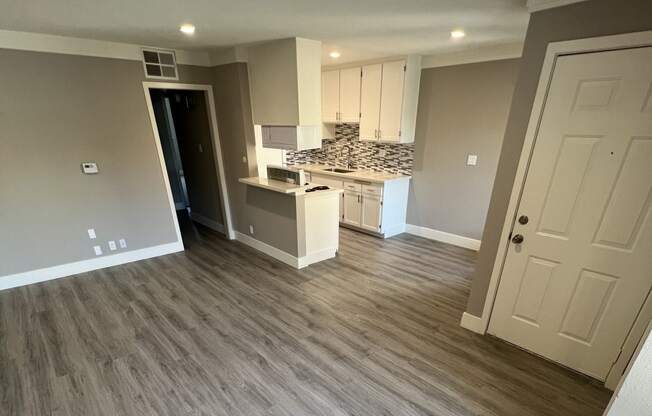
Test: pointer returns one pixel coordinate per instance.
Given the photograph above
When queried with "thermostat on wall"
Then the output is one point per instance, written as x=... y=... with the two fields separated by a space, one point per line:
x=90 y=168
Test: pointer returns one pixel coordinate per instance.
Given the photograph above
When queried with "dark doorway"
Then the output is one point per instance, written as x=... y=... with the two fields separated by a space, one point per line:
x=183 y=125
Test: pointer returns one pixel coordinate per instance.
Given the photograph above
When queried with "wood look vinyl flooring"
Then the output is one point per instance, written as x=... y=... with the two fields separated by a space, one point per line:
x=221 y=329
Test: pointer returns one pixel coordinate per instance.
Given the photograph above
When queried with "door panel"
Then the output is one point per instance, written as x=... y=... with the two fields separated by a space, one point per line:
x=350 y=95
x=352 y=206
x=330 y=96
x=370 y=101
x=391 y=101
x=573 y=288
x=371 y=207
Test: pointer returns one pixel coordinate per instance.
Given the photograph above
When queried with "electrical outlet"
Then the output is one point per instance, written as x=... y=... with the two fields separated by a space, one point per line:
x=382 y=153
x=112 y=246
x=201 y=148
x=251 y=229
x=91 y=234
x=123 y=243
x=471 y=160
x=98 y=250
x=244 y=159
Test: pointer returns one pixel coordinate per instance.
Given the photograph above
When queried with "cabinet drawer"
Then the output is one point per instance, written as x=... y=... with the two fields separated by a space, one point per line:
x=372 y=190
x=352 y=186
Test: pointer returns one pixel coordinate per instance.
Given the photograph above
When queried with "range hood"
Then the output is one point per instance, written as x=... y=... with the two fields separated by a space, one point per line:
x=285 y=77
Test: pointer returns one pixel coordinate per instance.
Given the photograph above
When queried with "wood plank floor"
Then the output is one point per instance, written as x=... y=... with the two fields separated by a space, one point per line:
x=223 y=330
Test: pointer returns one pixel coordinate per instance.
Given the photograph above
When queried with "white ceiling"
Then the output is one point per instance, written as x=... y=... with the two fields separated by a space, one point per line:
x=359 y=29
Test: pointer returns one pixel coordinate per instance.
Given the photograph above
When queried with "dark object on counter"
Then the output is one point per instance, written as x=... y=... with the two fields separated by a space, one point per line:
x=317 y=188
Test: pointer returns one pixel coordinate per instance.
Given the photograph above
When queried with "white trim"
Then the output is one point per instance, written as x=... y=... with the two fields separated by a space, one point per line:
x=536 y=5
x=315 y=257
x=554 y=50
x=274 y=252
x=489 y=53
x=224 y=196
x=444 y=237
x=472 y=323
x=212 y=224
x=39 y=42
x=69 y=269
x=394 y=230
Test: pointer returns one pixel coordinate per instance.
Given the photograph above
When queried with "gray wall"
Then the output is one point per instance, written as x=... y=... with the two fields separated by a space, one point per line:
x=462 y=109
x=581 y=20
x=57 y=111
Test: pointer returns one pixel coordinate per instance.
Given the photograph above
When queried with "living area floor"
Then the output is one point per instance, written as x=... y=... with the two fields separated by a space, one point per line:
x=221 y=329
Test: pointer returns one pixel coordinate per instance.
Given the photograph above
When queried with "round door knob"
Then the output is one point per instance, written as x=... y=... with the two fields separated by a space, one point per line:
x=517 y=239
x=523 y=219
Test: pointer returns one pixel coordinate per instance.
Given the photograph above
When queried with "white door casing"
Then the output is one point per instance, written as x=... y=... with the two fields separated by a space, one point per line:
x=573 y=288
x=370 y=101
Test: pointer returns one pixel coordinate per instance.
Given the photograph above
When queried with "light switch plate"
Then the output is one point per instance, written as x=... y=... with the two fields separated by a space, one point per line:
x=98 y=250
x=90 y=168
x=471 y=160
x=91 y=233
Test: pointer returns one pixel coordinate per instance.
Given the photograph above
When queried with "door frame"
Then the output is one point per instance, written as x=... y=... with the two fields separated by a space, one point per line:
x=553 y=51
x=217 y=149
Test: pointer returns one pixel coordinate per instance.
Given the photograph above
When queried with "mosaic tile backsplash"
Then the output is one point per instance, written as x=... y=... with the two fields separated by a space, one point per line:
x=347 y=150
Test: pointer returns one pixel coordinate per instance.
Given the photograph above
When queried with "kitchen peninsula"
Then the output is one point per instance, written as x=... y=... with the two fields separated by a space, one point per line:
x=294 y=223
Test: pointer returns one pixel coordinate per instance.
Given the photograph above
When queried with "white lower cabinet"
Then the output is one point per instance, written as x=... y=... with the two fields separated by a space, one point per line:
x=371 y=210
x=352 y=208
x=379 y=208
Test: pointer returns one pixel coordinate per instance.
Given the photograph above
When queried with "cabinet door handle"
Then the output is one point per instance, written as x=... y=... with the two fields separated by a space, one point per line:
x=380 y=134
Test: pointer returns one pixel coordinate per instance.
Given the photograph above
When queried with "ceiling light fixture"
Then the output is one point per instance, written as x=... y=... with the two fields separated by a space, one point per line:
x=187 y=28
x=457 y=34
x=334 y=54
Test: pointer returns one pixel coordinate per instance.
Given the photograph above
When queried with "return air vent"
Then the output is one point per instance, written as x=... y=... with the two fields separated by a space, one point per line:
x=160 y=64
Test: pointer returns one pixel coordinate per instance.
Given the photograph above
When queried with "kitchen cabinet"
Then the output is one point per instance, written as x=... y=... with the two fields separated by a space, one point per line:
x=352 y=208
x=370 y=212
x=341 y=95
x=388 y=100
x=331 y=182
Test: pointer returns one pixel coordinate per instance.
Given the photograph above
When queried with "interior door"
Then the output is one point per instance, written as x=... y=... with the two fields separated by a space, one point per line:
x=330 y=93
x=370 y=218
x=350 y=95
x=391 y=101
x=370 y=101
x=571 y=290
x=352 y=206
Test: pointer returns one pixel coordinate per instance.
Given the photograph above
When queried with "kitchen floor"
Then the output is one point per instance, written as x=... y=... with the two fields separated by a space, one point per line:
x=221 y=329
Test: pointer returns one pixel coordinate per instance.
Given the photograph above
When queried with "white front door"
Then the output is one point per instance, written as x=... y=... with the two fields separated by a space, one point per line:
x=571 y=290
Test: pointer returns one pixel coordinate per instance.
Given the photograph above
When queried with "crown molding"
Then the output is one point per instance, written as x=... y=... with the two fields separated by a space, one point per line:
x=537 y=5
x=490 y=53
x=39 y=42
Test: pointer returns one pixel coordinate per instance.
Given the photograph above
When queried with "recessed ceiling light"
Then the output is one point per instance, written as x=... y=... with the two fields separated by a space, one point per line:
x=187 y=28
x=334 y=54
x=457 y=34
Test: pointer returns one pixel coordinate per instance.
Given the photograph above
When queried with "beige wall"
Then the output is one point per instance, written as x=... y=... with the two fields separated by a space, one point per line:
x=581 y=20
x=462 y=110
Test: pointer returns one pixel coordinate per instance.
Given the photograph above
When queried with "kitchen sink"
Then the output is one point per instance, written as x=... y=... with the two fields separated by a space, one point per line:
x=338 y=170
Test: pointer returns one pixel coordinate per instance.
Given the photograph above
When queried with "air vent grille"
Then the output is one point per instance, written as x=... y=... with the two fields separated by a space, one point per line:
x=160 y=64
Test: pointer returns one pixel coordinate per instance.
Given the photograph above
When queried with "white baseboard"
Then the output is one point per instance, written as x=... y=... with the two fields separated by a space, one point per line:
x=280 y=255
x=289 y=259
x=444 y=237
x=395 y=230
x=212 y=224
x=316 y=257
x=472 y=323
x=69 y=269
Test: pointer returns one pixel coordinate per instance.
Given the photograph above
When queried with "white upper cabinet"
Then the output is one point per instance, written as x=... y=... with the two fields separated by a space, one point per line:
x=341 y=95
x=370 y=101
x=330 y=96
x=391 y=101
x=389 y=98
x=350 y=95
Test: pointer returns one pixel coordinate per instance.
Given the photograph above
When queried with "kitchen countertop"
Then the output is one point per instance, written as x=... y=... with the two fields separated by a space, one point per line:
x=364 y=175
x=284 y=187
